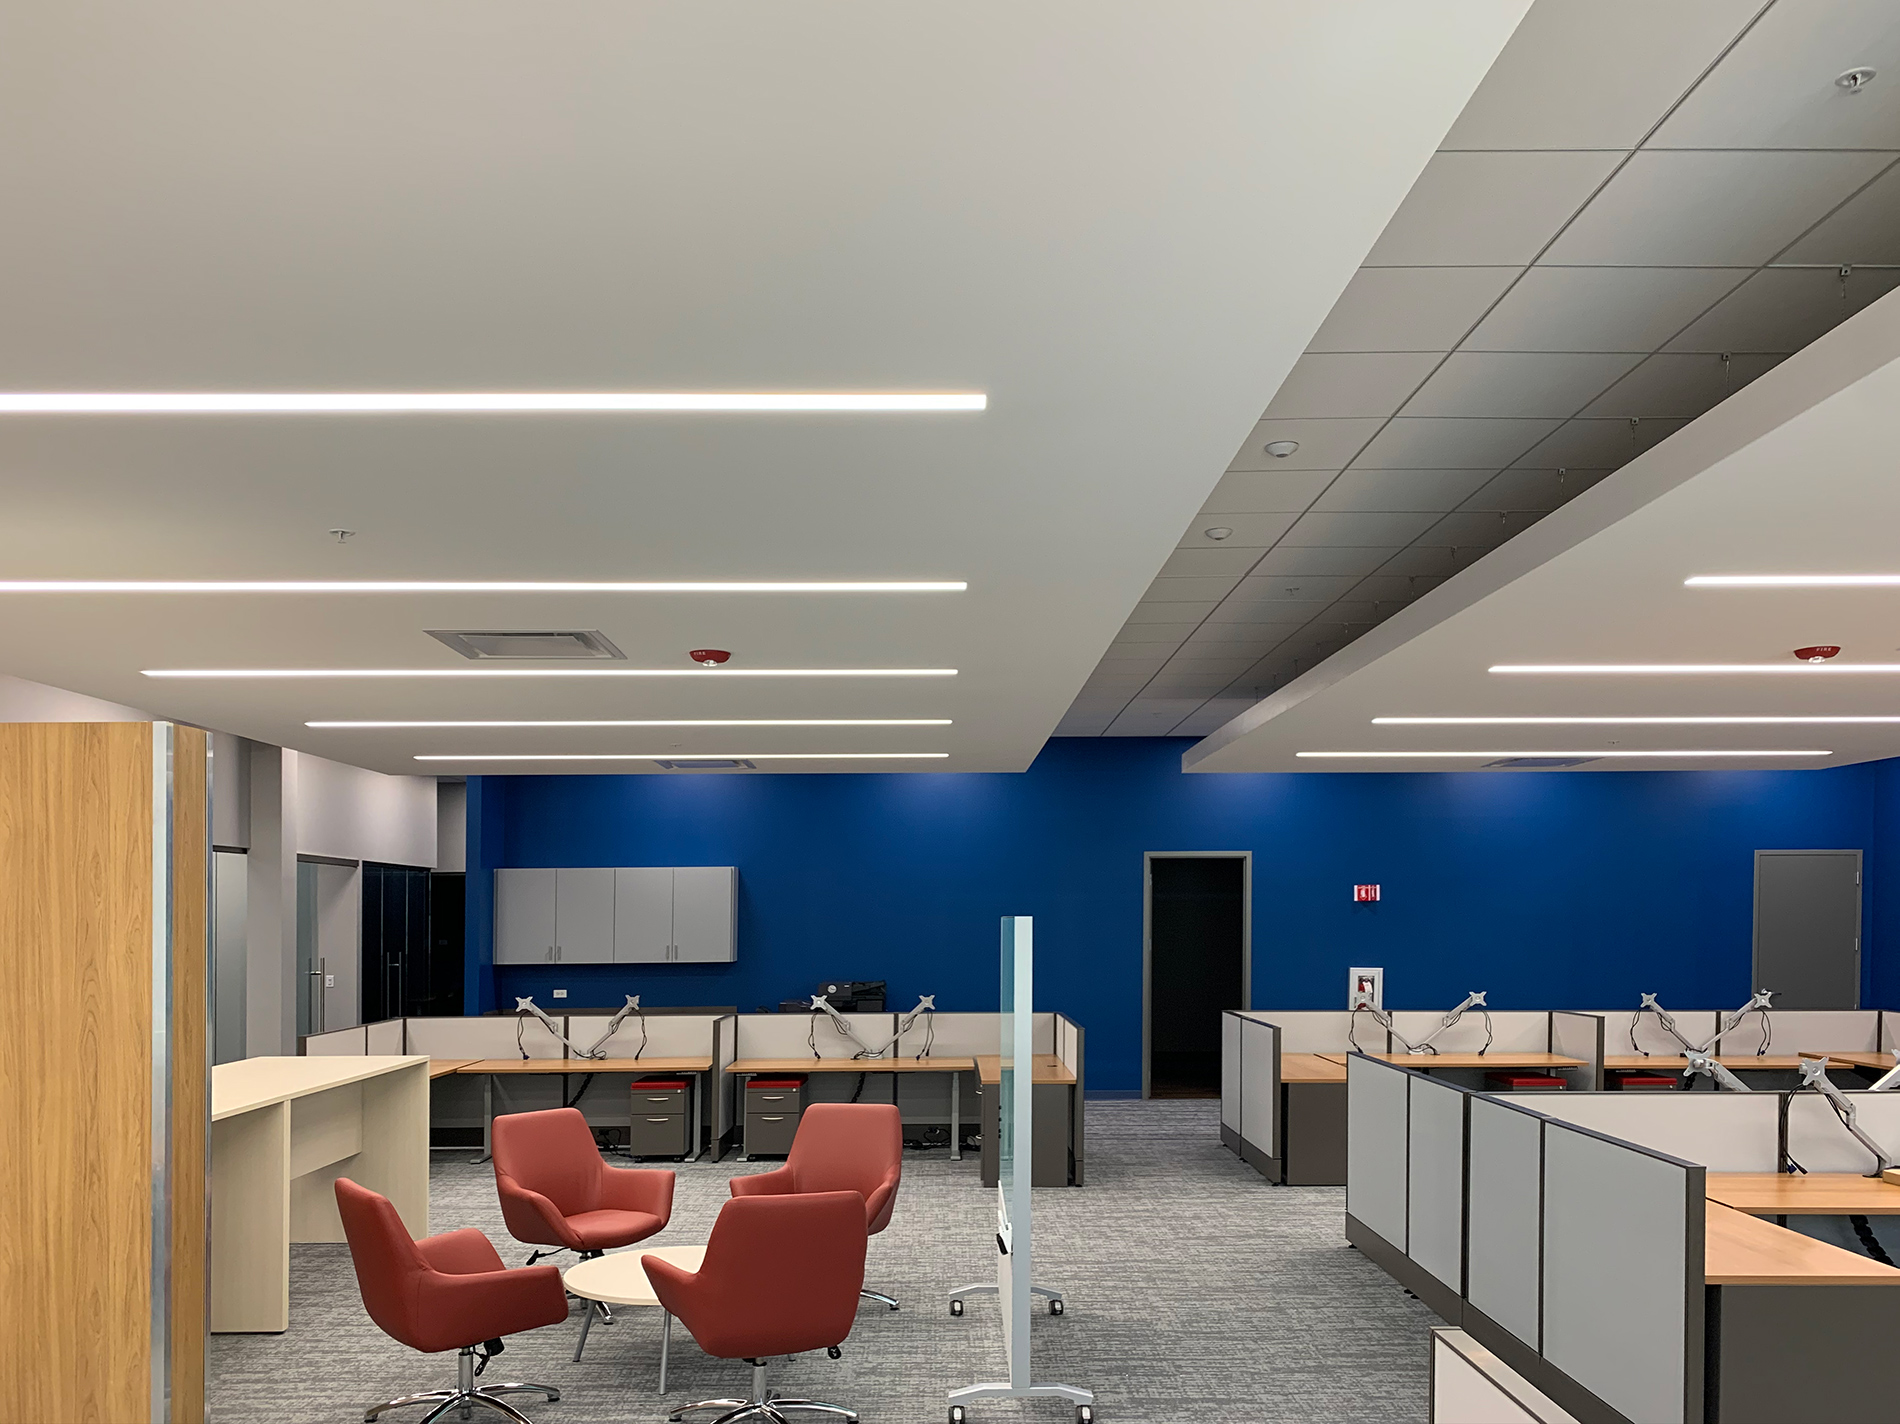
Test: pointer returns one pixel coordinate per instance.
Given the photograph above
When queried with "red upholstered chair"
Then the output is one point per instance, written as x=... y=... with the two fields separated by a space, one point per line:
x=842 y=1147
x=557 y=1190
x=448 y=1292
x=781 y=1275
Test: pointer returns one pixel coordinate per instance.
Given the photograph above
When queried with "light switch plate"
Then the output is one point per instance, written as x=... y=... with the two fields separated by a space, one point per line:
x=329 y=981
x=1365 y=989
x=560 y=993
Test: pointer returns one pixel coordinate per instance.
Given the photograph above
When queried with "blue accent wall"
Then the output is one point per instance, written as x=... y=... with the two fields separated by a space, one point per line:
x=1547 y=890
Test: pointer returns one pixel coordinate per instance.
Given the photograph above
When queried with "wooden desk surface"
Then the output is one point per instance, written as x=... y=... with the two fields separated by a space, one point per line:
x=252 y=1083
x=1817 y=1194
x=588 y=1065
x=1882 y=1061
x=442 y=1067
x=1048 y=1069
x=1311 y=1068
x=1784 y=1062
x=851 y=1065
x=1743 y=1251
x=1479 y=1060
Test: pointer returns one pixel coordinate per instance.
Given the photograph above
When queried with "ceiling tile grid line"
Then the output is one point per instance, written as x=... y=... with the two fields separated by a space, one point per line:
x=1503 y=494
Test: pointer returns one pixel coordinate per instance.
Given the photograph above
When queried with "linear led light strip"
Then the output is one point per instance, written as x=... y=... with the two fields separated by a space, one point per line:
x=712 y=673
x=697 y=756
x=1799 y=669
x=1793 y=581
x=1619 y=721
x=478 y=402
x=675 y=722
x=427 y=586
x=1599 y=752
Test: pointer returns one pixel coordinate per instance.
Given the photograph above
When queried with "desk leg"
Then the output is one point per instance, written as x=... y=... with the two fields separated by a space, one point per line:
x=488 y=1119
x=699 y=1114
x=745 y=1128
x=956 y=1127
x=666 y=1346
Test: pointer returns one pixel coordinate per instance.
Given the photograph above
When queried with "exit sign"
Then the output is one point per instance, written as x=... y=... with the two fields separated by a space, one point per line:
x=1364 y=894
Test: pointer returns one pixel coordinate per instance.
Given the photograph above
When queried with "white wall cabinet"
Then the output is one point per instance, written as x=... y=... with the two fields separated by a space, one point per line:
x=617 y=915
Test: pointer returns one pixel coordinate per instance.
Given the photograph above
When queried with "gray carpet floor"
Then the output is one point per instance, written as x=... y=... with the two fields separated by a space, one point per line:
x=1195 y=1290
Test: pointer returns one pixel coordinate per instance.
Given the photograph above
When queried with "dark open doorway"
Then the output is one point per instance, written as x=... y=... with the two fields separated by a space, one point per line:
x=1197 y=936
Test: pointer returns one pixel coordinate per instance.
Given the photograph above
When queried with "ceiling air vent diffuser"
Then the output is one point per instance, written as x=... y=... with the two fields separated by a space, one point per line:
x=1523 y=763
x=533 y=645
x=709 y=764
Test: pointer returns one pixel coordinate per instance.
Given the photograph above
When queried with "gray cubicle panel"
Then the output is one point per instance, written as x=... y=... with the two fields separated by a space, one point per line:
x=1626 y=1031
x=1577 y=1035
x=1377 y=1109
x=1805 y=1031
x=389 y=1036
x=1725 y=1132
x=1506 y=1236
x=1250 y=1090
x=725 y=1104
x=1889 y=1031
x=1435 y=1179
x=1323 y=1030
x=1068 y=1037
x=1820 y=1143
x=350 y=1041
x=1509 y=1030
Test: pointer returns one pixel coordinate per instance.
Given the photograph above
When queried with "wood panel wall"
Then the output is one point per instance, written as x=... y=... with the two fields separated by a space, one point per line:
x=76 y=935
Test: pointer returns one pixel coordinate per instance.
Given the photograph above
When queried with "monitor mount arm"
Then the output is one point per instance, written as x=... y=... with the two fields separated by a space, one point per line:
x=621 y=1015
x=1473 y=1000
x=1668 y=1020
x=926 y=1004
x=528 y=1006
x=1701 y=1062
x=1814 y=1075
x=1886 y=1082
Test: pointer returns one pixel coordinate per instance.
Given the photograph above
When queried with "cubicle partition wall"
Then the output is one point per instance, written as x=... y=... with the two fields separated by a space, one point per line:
x=1584 y=1036
x=1508 y=1031
x=1250 y=1090
x=1804 y=1031
x=353 y=1042
x=386 y=1038
x=724 y=1085
x=1068 y=1048
x=1627 y=1032
x=1576 y=1257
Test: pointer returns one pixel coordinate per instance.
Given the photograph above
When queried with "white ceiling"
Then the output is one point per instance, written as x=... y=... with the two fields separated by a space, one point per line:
x=1642 y=209
x=1793 y=475
x=1123 y=221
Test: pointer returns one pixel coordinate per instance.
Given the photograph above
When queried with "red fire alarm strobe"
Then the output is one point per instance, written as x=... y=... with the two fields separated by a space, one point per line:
x=710 y=657
x=1364 y=894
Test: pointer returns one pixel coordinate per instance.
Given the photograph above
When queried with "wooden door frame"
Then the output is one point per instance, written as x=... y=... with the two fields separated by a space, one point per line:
x=1148 y=857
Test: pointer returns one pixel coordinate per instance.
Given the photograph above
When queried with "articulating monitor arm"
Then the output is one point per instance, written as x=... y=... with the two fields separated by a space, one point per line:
x=621 y=1015
x=1814 y=1075
x=926 y=1003
x=1700 y=1062
x=1666 y=1019
x=528 y=1006
x=1474 y=1000
x=1758 y=1002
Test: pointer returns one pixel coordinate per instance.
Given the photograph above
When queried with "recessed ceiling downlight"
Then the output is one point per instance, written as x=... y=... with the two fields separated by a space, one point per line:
x=1280 y=449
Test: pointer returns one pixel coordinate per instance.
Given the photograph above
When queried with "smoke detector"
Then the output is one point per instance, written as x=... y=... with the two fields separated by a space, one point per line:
x=1219 y=532
x=528 y=645
x=1280 y=449
x=1820 y=653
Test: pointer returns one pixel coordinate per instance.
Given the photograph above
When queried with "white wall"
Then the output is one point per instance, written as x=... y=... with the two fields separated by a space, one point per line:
x=347 y=813
x=230 y=792
x=23 y=701
x=451 y=825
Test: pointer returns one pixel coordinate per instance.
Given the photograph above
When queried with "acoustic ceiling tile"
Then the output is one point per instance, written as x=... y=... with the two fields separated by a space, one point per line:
x=1256 y=636
x=1864 y=229
x=1187 y=589
x=1216 y=561
x=1709 y=209
x=1434 y=560
x=1156 y=611
x=1682 y=385
x=1169 y=633
x=1533 y=489
x=1290 y=559
x=1214 y=714
x=1260 y=590
x=1371 y=490
x=1595 y=73
x=1783 y=309
x=1600 y=308
x=1491 y=209
x=1386 y=529
x=1410 y=308
x=1323 y=444
x=1333 y=386
x=1597 y=444
x=1266 y=491
x=1423 y=443
x=1482 y=529
x=1776 y=89
x=1555 y=384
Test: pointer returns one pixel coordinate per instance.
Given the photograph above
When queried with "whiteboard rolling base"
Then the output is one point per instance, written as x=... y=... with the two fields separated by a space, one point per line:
x=1082 y=1399
x=957 y=1297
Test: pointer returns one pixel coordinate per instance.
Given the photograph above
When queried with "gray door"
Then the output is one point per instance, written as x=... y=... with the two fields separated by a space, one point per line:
x=1807 y=927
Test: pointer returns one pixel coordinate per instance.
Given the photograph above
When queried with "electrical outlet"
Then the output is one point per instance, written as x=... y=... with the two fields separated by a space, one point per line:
x=329 y=981
x=1365 y=989
x=560 y=993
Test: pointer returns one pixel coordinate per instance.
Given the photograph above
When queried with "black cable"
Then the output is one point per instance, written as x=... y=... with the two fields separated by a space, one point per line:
x=858 y=1091
x=1867 y=1239
x=1352 y=1027
x=811 y=1036
x=643 y=1035
x=568 y=1102
x=521 y=1024
x=1487 y=1033
x=930 y=1033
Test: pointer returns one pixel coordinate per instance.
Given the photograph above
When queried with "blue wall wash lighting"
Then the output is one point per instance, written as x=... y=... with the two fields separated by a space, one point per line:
x=1552 y=889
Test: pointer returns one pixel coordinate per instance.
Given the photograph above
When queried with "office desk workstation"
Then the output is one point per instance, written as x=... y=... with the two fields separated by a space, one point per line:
x=1283 y=1073
x=1640 y=1256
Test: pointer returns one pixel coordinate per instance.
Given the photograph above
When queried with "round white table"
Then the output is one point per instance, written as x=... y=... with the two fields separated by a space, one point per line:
x=620 y=1279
